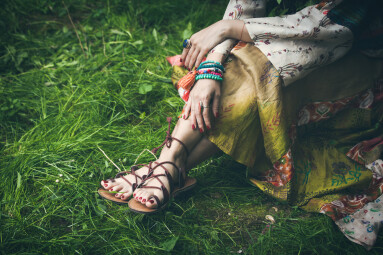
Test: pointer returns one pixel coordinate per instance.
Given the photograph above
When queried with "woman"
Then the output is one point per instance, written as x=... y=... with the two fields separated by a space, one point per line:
x=298 y=105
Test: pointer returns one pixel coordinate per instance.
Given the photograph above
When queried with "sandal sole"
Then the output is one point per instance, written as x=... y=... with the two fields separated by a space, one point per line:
x=138 y=207
x=111 y=196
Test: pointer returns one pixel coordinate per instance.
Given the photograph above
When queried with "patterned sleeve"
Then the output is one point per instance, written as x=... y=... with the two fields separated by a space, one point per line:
x=240 y=10
x=299 y=43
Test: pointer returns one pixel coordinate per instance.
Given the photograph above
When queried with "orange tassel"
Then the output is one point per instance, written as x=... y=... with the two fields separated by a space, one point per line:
x=187 y=81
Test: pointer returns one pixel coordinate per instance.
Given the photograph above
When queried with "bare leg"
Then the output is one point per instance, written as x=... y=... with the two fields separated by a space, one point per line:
x=201 y=152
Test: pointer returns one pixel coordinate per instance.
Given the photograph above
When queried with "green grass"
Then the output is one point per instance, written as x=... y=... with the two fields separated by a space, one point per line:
x=61 y=99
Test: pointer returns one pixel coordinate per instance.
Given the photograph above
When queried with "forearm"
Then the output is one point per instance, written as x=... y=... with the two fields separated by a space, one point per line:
x=235 y=29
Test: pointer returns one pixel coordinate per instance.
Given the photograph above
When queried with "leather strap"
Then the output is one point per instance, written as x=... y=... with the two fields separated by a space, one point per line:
x=169 y=139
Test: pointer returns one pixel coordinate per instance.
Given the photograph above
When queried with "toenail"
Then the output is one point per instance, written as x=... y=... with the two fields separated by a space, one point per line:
x=105 y=181
x=208 y=128
x=111 y=189
x=151 y=201
x=193 y=127
x=116 y=195
x=122 y=197
x=201 y=130
x=134 y=195
x=144 y=200
x=140 y=198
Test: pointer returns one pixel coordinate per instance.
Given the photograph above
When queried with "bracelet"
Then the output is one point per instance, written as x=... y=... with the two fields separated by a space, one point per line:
x=208 y=76
x=211 y=70
x=213 y=65
x=210 y=62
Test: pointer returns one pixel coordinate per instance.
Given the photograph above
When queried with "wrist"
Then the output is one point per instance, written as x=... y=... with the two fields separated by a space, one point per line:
x=215 y=56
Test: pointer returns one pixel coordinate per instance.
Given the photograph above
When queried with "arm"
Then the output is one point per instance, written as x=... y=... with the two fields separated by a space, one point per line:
x=299 y=43
x=218 y=37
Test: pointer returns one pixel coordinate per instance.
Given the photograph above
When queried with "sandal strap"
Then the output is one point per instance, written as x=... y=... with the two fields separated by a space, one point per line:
x=163 y=188
x=169 y=139
x=133 y=172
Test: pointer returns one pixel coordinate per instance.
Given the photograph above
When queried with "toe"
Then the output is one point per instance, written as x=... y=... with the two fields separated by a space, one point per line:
x=116 y=188
x=107 y=184
x=145 y=197
x=125 y=196
x=138 y=195
x=151 y=203
x=122 y=192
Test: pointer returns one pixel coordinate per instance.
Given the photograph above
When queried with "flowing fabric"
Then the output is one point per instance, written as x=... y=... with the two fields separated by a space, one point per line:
x=315 y=143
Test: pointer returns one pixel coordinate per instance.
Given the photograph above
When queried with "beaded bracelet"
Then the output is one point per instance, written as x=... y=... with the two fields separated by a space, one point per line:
x=208 y=76
x=213 y=65
x=210 y=62
x=211 y=70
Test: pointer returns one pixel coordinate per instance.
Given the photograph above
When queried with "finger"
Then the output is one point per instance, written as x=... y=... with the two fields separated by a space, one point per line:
x=184 y=53
x=193 y=58
x=215 y=105
x=188 y=56
x=199 y=58
x=206 y=114
x=198 y=116
x=192 y=119
x=187 y=109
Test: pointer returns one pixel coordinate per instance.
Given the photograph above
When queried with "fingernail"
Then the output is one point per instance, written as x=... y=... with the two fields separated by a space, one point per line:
x=151 y=201
x=193 y=127
x=208 y=128
x=201 y=130
x=144 y=200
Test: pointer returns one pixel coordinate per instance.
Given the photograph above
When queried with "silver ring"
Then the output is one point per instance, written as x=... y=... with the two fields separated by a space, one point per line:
x=187 y=44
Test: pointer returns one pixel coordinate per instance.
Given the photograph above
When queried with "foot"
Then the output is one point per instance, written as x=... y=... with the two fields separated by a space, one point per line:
x=145 y=193
x=123 y=184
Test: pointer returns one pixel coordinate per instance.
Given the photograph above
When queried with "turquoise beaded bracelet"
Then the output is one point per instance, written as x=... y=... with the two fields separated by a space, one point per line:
x=213 y=65
x=208 y=76
x=210 y=62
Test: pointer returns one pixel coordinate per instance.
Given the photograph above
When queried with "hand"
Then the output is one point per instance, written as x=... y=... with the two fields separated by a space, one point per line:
x=208 y=93
x=202 y=42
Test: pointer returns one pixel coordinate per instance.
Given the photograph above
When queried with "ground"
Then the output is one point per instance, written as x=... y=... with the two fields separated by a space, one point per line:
x=78 y=76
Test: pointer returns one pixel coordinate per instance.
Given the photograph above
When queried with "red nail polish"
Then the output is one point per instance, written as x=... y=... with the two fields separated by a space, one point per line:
x=144 y=200
x=111 y=189
x=208 y=128
x=116 y=195
x=140 y=198
x=122 y=197
x=151 y=201
x=105 y=181
x=184 y=117
x=193 y=127
x=201 y=130
x=134 y=195
x=181 y=60
x=216 y=114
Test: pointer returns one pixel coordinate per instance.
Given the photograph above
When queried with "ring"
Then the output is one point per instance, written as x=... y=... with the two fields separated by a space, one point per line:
x=203 y=106
x=187 y=44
